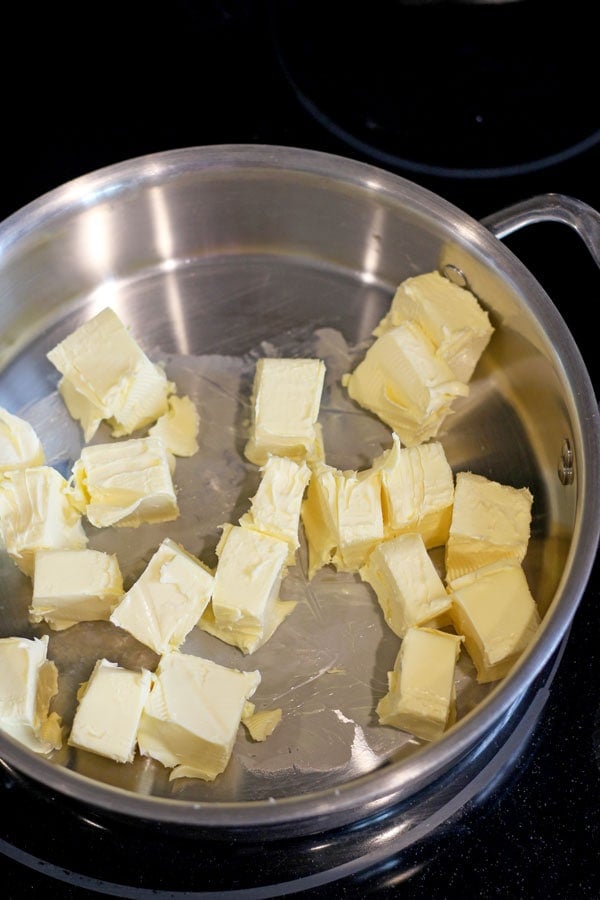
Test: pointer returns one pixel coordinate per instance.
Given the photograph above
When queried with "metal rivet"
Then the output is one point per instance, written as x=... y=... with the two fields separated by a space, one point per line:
x=566 y=468
x=455 y=275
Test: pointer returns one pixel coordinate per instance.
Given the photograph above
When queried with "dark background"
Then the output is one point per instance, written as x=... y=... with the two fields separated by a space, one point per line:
x=483 y=105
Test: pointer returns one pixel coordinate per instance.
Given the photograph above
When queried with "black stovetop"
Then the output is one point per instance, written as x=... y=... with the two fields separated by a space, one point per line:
x=423 y=91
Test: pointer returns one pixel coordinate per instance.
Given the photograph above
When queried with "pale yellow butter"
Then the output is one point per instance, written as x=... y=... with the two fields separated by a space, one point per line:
x=125 y=483
x=406 y=583
x=109 y=710
x=245 y=609
x=494 y=609
x=406 y=384
x=417 y=491
x=319 y=515
x=36 y=513
x=260 y=723
x=342 y=517
x=72 y=586
x=192 y=715
x=167 y=600
x=490 y=521
x=421 y=696
x=275 y=507
x=20 y=447
x=178 y=428
x=28 y=683
x=451 y=317
x=286 y=400
x=107 y=376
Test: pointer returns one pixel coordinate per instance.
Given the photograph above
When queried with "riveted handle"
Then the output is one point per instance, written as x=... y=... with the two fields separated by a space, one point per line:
x=584 y=219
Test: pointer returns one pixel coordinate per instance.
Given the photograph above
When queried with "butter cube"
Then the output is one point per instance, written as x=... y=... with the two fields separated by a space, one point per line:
x=125 y=483
x=494 y=609
x=36 y=513
x=275 y=508
x=450 y=316
x=167 y=600
x=405 y=383
x=107 y=376
x=417 y=491
x=319 y=515
x=178 y=428
x=342 y=517
x=422 y=698
x=286 y=399
x=72 y=586
x=245 y=608
x=490 y=521
x=109 y=711
x=405 y=580
x=192 y=715
x=20 y=447
x=28 y=682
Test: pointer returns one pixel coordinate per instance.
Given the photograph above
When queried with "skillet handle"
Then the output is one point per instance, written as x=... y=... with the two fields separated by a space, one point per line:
x=549 y=208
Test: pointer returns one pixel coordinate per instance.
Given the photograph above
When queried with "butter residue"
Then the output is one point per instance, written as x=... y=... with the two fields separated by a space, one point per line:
x=107 y=376
x=125 y=483
x=36 y=513
x=72 y=586
x=192 y=715
x=20 y=446
x=28 y=683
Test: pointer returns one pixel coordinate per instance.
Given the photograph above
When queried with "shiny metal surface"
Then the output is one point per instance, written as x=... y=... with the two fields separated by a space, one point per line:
x=214 y=257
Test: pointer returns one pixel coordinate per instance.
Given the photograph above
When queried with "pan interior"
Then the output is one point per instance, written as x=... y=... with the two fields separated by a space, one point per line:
x=207 y=313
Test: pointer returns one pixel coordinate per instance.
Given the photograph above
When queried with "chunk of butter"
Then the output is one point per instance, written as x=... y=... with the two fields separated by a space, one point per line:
x=72 y=586
x=245 y=609
x=192 y=715
x=28 y=683
x=421 y=698
x=406 y=384
x=125 y=483
x=36 y=513
x=167 y=600
x=494 y=609
x=20 y=447
x=260 y=723
x=275 y=507
x=107 y=376
x=109 y=710
x=451 y=317
x=417 y=491
x=178 y=428
x=490 y=521
x=406 y=583
x=286 y=400
x=342 y=517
